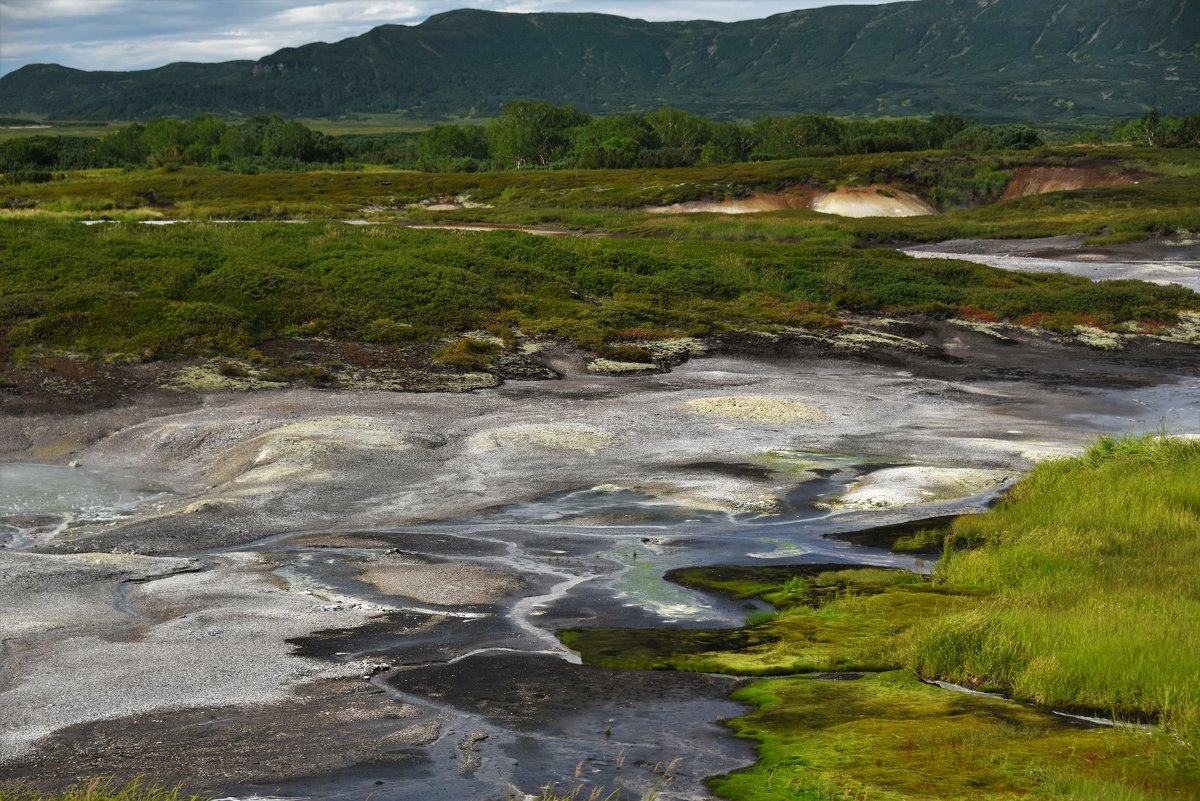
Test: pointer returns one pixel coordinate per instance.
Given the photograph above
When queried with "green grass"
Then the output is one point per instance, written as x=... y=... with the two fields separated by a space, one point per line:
x=1094 y=566
x=104 y=790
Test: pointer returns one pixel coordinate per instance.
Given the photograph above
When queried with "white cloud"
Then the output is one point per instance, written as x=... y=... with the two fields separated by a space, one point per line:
x=57 y=9
x=341 y=12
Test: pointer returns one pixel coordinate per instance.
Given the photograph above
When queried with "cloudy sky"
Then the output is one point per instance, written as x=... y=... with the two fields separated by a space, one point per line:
x=135 y=34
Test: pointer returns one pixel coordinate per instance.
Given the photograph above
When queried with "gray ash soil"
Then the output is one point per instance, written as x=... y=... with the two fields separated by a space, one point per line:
x=291 y=625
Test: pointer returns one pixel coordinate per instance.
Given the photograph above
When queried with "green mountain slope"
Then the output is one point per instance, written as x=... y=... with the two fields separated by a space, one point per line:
x=993 y=59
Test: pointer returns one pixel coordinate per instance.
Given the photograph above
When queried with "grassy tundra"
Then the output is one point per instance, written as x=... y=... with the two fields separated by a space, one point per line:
x=136 y=292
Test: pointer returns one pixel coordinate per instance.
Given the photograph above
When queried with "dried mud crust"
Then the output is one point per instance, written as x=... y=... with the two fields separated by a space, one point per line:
x=373 y=462
x=954 y=349
x=220 y=746
x=67 y=384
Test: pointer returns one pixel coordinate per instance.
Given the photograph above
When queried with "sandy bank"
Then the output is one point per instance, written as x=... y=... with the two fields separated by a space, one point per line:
x=877 y=200
x=758 y=202
x=1041 y=180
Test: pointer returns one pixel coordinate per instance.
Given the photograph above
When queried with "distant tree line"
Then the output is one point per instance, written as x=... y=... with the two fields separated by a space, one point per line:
x=539 y=135
x=1154 y=130
x=535 y=134
x=265 y=142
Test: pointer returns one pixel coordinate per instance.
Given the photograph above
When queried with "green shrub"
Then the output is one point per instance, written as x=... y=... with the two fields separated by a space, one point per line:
x=468 y=353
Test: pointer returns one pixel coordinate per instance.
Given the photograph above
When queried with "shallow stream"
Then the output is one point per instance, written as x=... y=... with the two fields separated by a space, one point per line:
x=38 y=502
x=513 y=707
x=1182 y=268
x=358 y=656
x=510 y=705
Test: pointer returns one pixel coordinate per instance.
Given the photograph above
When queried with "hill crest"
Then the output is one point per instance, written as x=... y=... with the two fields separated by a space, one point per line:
x=990 y=59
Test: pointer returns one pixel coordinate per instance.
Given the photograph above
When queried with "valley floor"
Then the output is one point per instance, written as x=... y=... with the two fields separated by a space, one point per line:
x=286 y=545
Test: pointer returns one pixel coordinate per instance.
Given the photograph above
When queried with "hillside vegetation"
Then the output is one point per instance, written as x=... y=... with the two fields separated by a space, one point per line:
x=204 y=289
x=996 y=60
x=127 y=291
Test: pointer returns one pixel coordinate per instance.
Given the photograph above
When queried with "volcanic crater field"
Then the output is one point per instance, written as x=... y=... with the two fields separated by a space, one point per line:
x=333 y=593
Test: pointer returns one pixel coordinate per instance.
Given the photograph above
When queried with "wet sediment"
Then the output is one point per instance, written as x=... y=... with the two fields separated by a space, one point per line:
x=358 y=525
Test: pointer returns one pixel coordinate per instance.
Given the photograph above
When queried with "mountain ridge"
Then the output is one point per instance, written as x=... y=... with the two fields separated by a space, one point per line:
x=991 y=59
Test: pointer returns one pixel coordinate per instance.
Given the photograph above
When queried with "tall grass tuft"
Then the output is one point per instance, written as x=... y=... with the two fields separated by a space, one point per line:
x=1094 y=563
x=105 y=789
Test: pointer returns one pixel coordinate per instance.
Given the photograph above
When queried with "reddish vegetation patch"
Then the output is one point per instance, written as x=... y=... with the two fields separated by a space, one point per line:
x=976 y=314
x=1040 y=180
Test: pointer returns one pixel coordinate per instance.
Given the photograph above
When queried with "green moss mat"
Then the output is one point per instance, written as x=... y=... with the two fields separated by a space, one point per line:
x=828 y=620
x=890 y=736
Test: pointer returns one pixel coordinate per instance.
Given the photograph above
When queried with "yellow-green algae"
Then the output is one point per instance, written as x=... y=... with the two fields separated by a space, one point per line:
x=828 y=620
x=889 y=736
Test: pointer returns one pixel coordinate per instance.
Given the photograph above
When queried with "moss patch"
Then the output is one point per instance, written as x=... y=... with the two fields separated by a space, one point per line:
x=829 y=619
x=1077 y=592
x=890 y=736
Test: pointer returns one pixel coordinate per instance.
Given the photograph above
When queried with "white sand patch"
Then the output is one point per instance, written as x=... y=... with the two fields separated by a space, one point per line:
x=862 y=340
x=1099 y=338
x=207 y=378
x=906 y=486
x=548 y=436
x=756 y=408
x=876 y=200
x=448 y=204
x=993 y=330
x=1187 y=331
x=708 y=494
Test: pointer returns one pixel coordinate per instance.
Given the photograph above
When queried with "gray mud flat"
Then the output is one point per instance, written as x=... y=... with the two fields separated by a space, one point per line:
x=342 y=594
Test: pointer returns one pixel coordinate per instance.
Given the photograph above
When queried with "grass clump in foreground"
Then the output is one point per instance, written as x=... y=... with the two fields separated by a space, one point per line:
x=1080 y=592
x=104 y=790
x=1092 y=566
